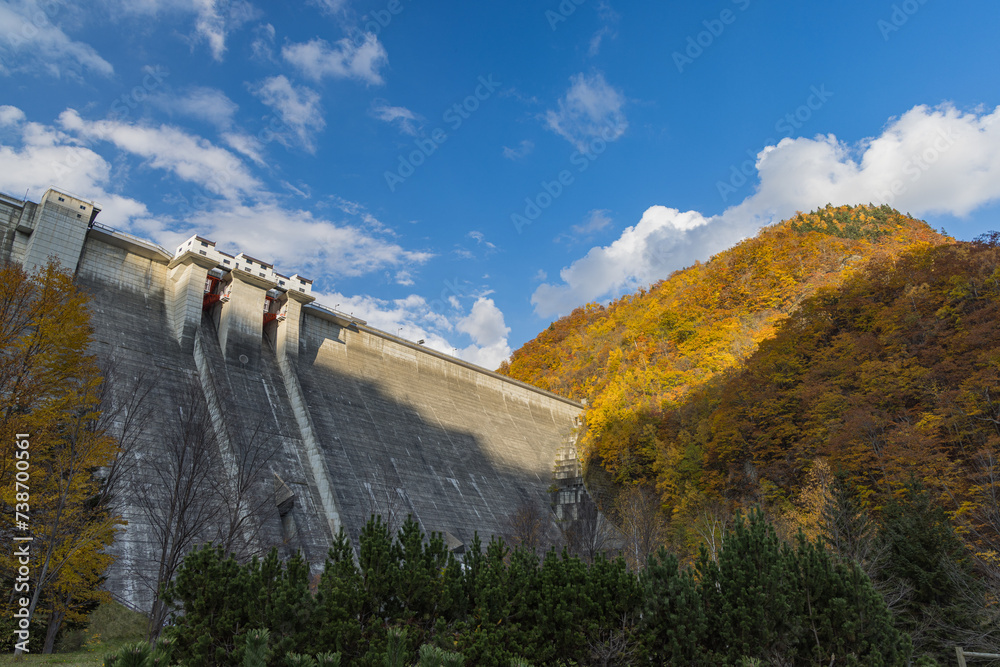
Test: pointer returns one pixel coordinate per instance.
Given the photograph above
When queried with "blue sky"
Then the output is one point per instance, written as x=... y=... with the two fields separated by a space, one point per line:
x=465 y=172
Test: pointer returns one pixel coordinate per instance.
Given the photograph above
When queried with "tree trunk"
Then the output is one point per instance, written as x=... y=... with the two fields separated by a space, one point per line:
x=156 y=618
x=55 y=622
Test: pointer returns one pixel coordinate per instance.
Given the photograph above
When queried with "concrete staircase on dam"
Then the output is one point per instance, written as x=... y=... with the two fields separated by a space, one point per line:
x=309 y=419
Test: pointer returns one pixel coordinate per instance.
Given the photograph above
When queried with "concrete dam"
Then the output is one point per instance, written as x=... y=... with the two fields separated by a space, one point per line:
x=315 y=419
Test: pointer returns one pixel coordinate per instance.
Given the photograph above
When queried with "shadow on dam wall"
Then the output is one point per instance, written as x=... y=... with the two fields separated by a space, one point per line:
x=448 y=444
x=381 y=454
x=399 y=431
x=384 y=457
x=349 y=419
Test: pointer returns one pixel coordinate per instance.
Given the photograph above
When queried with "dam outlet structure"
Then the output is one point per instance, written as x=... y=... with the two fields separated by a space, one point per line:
x=252 y=416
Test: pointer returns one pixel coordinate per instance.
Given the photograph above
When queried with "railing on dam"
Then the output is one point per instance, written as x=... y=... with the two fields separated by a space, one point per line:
x=131 y=237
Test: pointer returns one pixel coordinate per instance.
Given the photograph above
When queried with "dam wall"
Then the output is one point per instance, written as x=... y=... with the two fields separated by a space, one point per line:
x=306 y=420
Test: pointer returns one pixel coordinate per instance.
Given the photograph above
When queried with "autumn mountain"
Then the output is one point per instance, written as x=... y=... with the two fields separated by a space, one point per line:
x=644 y=353
x=854 y=337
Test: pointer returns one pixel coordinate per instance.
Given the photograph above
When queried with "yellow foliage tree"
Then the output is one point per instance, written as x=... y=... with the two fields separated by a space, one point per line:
x=49 y=399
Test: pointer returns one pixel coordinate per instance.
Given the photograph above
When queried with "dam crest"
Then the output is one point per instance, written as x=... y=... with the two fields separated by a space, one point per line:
x=316 y=420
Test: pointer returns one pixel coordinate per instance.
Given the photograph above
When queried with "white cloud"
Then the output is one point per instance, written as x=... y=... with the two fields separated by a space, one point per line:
x=297 y=106
x=361 y=211
x=485 y=324
x=344 y=60
x=10 y=115
x=595 y=41
x=643 y=253
x=407 y=121
x=591 y=109
x=47 y=158
x=610 y=18
x=246 y=144
x=298 y=238
x=930 y=160
x=189 y=157
x=202 y=103
x=211 y=26
x=214 y=20
x=413 y=318
x=262 y=47
x=596 y=221
x=523 y=149
x=31 y=42
x=480 y=239
x=293 y=239
x=329 y=6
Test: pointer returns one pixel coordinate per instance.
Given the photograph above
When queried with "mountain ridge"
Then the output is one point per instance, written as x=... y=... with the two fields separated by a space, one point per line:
x=644 y=352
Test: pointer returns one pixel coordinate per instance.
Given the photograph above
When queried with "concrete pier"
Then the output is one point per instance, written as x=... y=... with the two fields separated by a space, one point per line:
x=349 y=420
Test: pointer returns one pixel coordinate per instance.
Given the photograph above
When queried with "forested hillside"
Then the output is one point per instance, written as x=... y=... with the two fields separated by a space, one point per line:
x=842 y=372
x=890 y=376
x=637 y=360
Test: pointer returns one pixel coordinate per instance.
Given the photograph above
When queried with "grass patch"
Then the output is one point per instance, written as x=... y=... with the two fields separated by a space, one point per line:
x=86 y=658
x=110 y=627
x=116 y=623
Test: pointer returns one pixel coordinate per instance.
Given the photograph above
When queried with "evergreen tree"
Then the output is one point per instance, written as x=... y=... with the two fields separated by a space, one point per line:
x=928 y=557
x=488 y=635
x=611 y=629
x=429 y=581
x=748 y=594
x=337 y=624
x=256 y=648
x=674 y=623
x=432 y=656
x=844 y=619
x=219 y=599
x=288 y=605
x=765 y=599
